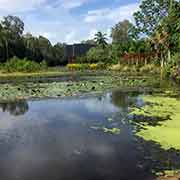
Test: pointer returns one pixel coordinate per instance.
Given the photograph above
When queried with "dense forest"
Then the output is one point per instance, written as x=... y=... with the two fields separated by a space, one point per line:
x=14 y=43
x=156 y=31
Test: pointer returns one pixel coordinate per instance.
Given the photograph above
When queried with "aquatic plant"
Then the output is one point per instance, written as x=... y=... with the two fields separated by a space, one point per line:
x=167 y=133
x=112 y=130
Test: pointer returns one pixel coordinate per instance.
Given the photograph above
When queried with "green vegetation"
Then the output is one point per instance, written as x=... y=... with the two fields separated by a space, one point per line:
x=114 y=131
x=14 y=43
x=38 y=88
x=22 y=65
x=153 y=39
x=78 y=67
x=139 y=57
x=166 y=133
x=168 y=175
x=147 y=69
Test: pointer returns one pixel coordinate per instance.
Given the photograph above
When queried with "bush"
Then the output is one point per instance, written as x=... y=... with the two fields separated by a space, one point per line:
x=116 y=67
x=176 y=59
x=124 y=68
x=43 y=65
x=102 y=66
x=149 y=68
x=77 y=67
x=172 y=69
x=93 y=66
x=81 y=60
x=23 y=65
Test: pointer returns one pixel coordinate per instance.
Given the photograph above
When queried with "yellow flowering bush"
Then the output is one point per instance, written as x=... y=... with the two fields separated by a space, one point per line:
x=93 y=66
x=74 y=67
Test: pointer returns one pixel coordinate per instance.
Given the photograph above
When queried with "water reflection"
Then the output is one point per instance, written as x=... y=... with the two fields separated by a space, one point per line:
x=15 y=108
x=54 y=140
x=124 y=99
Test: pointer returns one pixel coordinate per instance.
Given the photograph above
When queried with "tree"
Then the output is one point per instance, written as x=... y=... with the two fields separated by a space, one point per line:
x=12 y=29
x=167 y=35
x=171 y=25
x=121 y=32
x=58 y=50
x=14 y=43
x=45 y=48
x=32 y=51
x=151 y=14
x=97 y=54
x=89 y=41
x=13 y=24
x=5 y=37
x=100 y=39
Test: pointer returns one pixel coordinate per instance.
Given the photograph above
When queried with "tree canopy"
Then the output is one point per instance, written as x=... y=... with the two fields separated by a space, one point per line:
x=121 y=32
x=14 y=43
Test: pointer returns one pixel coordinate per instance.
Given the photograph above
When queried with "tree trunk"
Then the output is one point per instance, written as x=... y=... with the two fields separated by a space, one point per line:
x=169 y=55
x=162 y=61
x=7 y=50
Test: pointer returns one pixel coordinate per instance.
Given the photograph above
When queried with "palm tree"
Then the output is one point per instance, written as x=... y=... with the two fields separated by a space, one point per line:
x=101 y=39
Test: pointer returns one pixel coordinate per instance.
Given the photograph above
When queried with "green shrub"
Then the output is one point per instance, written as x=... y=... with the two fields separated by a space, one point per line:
x=102 y=66
x=176 y=59
x=81 y=60
x=150 y=68
x=43 y=65
x=116 y=67
x=23 y=65
x=173 y=66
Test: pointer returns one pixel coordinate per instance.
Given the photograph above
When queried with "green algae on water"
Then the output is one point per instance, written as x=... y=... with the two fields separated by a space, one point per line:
x=114 y=131
x=167 y=132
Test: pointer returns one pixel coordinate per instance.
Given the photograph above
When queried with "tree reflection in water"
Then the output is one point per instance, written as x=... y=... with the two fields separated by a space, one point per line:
x=123 y=99
x=15 y=108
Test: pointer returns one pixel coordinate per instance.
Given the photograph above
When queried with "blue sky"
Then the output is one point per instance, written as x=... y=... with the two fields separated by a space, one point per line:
x=69 y=21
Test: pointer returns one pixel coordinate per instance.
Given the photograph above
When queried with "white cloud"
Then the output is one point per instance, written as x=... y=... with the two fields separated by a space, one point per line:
x=115 y=15
x=96 y=15
x=14 y=6
x=92 y=33
x=69 y=4
x=19 y=5
x=70 y=38
x=55 y=20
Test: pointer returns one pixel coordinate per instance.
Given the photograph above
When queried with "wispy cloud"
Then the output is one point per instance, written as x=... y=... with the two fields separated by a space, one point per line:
x=70 y=37
x=69 y=4
x=116 y=14
x=13 y=6
x=68 y=20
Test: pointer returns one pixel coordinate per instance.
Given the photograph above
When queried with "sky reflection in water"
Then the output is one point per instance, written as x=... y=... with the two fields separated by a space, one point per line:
x=53 y=139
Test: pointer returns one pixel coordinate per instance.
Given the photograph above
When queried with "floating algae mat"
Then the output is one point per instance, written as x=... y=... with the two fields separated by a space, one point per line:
x=167 y=132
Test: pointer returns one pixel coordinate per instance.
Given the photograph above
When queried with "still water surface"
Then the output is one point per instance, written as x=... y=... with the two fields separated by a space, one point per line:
x=63 y=139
